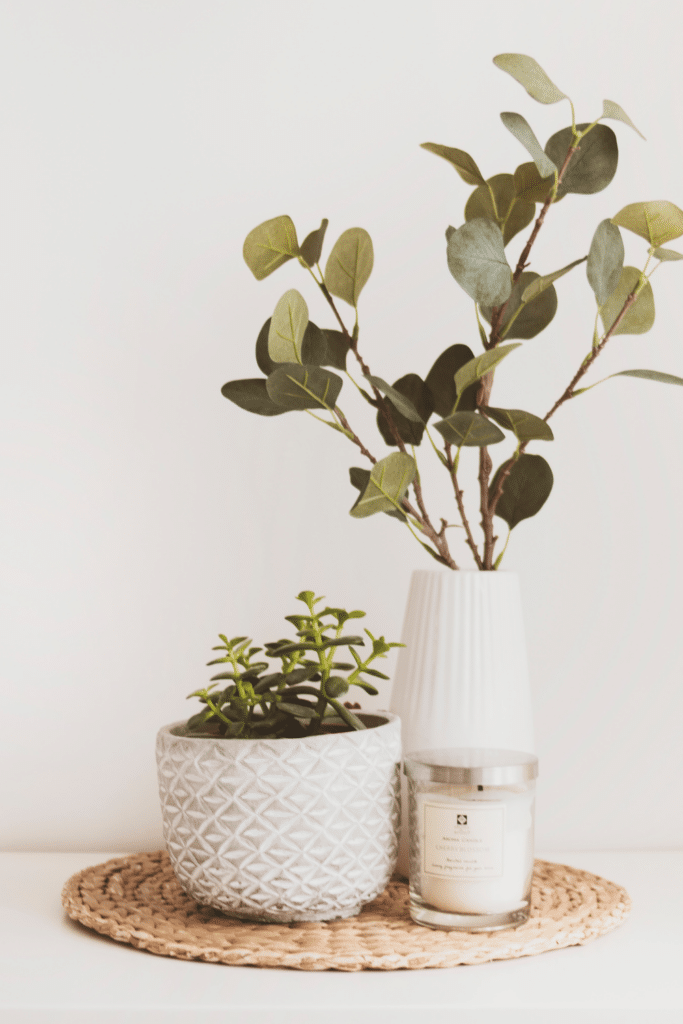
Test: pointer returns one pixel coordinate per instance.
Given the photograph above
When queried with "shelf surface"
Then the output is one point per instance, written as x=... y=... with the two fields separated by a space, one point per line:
x=54 y=970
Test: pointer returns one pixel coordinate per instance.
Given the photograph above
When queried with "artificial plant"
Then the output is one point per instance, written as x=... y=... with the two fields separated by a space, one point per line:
x=299 y=359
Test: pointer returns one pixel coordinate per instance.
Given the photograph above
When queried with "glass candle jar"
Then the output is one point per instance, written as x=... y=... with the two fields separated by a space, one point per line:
x=471 y=820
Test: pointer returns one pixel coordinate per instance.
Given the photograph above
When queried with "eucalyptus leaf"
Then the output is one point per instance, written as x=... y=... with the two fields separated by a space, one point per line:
x=314 y=346
x=641 y=316
x=349 y=265
x=303 y=387
x=616 y=113
x=529 y=184
x=414 y=389
x=469 y=429
x=476 y=259
x=524 y=425
x=287 y=328
x=403 y=404
x=667 y=254
x=662 y=378
x=497 y=200
x=521 y=129
x=592 y=166
x=311 y=248
x=531 y=75
x=253 y=396
x=605 y=260
x=270 y=245
x=440 y=381
x=657 y=222
x=478 y=367
x=530 y=319
x=359 y=478
x=539 y=285
x=525 y=490
x=463 y=162
x=337 y=348
x=265 y=363
x=389 y=480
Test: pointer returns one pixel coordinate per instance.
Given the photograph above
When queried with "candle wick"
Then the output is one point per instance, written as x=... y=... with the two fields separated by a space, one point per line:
x=480 y=788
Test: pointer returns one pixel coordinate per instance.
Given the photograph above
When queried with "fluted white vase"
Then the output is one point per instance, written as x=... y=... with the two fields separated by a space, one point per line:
x=462 y=679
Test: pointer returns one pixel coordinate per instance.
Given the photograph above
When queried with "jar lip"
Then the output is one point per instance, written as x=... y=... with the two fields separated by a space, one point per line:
x=471 y=765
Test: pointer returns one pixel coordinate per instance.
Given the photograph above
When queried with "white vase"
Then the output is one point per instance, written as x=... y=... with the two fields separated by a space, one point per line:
x=462 y=678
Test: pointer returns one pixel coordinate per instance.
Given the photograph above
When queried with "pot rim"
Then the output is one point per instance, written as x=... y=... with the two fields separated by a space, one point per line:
x=389 y=718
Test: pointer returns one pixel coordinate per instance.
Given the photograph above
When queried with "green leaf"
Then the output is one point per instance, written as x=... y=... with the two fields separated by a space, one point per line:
x=389 y=480
x=533 y=317
x=253 y=396
x=667 y=254
x=593 y=166
x=662 y=378
x=368 y=687
x=314 y=346
x=349 y=265
x=529 y=184
x=414 y=389
x=524 y=425
x=616 y=113
x=657 y=222
x=522 y=131
x=303 y=387
x=359 y=478
x=403 y=404
x=311 y=248
x=270 y=245
x=641 y=316
x=463 y=162
x=440 y=381
x=336 y=686
x=540 y=284
x=496 y=200
x=287 y=328
x=265 y=363
x=298 y=710
x=525 y=490
x=337 y=348
x=469 y=429
x=481 y=365
x=531 y=75
x=476 y=259
x=605 y=260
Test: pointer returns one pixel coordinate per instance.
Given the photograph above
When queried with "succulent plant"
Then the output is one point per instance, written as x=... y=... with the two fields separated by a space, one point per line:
x=304 y=696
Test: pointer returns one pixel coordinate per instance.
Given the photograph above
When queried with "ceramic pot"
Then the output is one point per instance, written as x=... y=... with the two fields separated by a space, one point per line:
x=462 y=678
x=283 y=829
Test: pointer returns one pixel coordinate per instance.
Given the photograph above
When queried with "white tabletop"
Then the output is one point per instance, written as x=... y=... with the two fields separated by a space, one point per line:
x=54 y=971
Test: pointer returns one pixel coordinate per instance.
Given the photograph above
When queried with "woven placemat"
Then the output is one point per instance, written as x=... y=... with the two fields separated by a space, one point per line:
x=137 y=899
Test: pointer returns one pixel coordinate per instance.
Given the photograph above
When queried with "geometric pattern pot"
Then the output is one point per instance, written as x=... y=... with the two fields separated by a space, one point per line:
x=283 y=829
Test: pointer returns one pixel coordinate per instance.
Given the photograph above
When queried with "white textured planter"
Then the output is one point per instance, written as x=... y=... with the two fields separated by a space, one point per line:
x=462 y=678
x=284 y=829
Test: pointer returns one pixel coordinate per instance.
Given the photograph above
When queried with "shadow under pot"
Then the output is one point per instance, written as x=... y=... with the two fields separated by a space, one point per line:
x=282 y=830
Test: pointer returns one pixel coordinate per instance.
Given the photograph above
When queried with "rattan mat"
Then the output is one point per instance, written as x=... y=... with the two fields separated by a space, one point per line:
x=137 y=899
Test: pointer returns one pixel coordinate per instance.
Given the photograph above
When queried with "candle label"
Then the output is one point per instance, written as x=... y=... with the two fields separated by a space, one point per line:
x=464 y=840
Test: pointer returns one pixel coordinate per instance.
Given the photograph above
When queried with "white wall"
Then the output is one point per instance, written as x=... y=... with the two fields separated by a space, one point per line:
x=143 y=513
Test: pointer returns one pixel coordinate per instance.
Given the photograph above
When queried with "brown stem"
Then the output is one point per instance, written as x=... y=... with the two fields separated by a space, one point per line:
x=565 y=396
x=522 y=262
x=353 y=436
x=461 y=508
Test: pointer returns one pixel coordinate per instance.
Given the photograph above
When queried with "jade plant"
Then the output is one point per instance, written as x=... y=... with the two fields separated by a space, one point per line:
x=303 y=696
x=302 y=363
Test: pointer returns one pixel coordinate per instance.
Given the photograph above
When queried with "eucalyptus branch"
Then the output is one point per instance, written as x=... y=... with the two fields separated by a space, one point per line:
x=461 y=506
x=351 y=434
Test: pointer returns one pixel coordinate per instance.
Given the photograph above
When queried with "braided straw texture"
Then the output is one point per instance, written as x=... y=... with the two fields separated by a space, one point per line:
x=137 y=899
